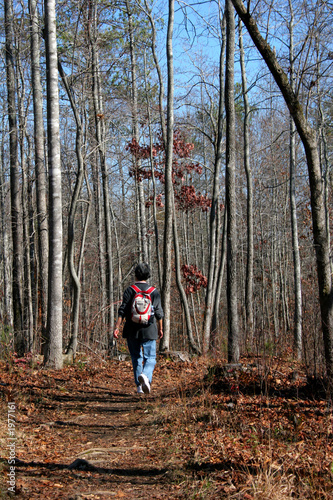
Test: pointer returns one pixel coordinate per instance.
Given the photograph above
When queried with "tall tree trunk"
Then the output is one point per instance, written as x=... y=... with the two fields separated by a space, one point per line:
x=75 y=270
x=151 y=142
x=175 y=235
x=100 y=138
x=37 y=92
x=249 y=184
x=215 y=207
x=141 y=199
x=310 y=143
x=167 y=244
x=28 y=323
x=5 y=246
x=223 y=253
x=325 y=159
x=182 y=293
x=53 y=347
x=232 y=294
x=159 y=72
x=98 y=205
x=91 y=29
x=15 y=188
x=293 y=207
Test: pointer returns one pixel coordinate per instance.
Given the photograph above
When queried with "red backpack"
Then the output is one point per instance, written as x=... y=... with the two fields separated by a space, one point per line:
x=141 y=310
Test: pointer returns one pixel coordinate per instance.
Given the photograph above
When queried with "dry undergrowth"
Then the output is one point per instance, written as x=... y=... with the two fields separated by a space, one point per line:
x=255 y=431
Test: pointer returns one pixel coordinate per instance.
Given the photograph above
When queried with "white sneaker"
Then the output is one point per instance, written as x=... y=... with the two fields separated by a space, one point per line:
x=143 y=379
x=139 y=389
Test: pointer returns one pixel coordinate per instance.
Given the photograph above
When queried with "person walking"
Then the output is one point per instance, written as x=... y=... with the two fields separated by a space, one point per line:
x=143 y=314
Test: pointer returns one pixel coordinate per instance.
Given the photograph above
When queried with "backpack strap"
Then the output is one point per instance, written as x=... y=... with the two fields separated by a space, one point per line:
x=146 y=292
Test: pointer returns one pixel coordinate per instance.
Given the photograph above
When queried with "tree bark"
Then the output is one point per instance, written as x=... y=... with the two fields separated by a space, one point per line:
x=75 y=271
x=53 y=348
x=43 y=244
x=249 y=184
x=28 y=323
x=5 y=237
x=142 y=230
x=215 y=207
x=159 y=72
x=15 y=188
x=181 y=290
x=167 y=244
x=100 y=138
x=232 y=294
x=151 y=143
x=293 y=207
x=223 y=253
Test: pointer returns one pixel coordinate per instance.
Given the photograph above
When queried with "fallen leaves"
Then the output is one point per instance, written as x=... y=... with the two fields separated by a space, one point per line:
x=204 y=432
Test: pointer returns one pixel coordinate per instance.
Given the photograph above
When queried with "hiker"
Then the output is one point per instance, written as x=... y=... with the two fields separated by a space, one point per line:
x=142 y=310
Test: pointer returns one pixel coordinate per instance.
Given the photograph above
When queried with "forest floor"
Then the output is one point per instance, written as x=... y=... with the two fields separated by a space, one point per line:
x=208 y=430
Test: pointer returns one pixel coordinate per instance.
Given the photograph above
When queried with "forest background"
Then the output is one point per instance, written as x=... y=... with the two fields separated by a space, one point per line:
x=175 y=146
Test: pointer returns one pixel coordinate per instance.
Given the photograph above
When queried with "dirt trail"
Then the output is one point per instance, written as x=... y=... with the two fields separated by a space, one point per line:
x=91 y=438
x=205 y=432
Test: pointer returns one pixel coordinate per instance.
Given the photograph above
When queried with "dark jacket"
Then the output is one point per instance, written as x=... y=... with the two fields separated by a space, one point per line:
x=142 y=332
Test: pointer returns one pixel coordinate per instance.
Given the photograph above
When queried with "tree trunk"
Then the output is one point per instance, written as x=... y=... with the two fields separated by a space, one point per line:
x=232 y=294
x=28 y=322
x=15 y=188
x=309 y=140
x=75 y=273
x=53 y=347
x=248 y=171
x=143 y=248
x=175 y=235
x=7 y=320
x=159 y=72
x=43 y=244
x=167 y=244
x=98 y=205
x=293 y=207
x=151 y=143
x=181 y=290
x=100 y=138
x=215 y=207
x=216 y=315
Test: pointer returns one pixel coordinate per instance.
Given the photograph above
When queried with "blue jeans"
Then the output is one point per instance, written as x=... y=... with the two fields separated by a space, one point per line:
x=143 y=354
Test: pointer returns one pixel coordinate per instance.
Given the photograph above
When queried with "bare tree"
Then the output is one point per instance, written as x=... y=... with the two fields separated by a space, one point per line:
x=53 y=348
x=310 y=143
x=75 y=271
x=232 y=294
x=42 y=228
x=142 y=227
x=151 y=144
x=5 y=237
x=95 y=132
x=167 y=245
x=213 y=265
x=249 y=184
x=27 y=301
x=15 y=188
x=101 y=146
x=293 y=207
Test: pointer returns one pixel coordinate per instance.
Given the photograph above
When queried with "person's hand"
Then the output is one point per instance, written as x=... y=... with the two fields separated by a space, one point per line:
x=116 y=333
x=160 y=334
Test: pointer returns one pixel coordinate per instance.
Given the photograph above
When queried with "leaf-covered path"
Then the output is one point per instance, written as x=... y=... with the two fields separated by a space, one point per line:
x=86 y=434
x=205 y=432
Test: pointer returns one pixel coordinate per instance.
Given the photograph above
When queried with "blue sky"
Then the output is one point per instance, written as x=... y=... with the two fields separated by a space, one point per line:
x=196 y=43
